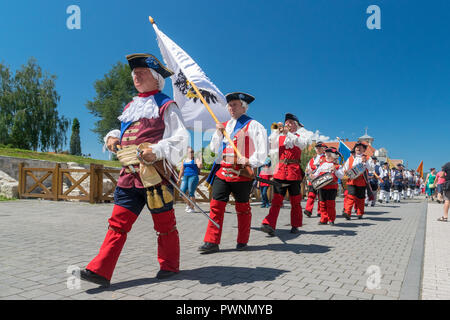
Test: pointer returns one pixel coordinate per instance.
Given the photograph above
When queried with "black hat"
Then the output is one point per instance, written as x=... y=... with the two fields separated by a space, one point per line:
x=290 y=116
x=320 y=144
x=240 y=96
x=333 y=150
x=360 y=143
x=374 y=158
x=145 y=60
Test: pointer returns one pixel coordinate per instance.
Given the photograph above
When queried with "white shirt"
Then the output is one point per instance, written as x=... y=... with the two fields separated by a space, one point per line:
x=175 y=140
x=290 y=141
x=327 y=167
x=256 y=132
x=384 y=173
x=357 y=160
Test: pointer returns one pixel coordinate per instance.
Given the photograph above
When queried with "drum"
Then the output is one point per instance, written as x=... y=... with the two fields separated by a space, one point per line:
x=356 y=171
x=322 y=180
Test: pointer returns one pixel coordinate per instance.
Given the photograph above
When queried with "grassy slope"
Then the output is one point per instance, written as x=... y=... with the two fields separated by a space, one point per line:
x=28 y=154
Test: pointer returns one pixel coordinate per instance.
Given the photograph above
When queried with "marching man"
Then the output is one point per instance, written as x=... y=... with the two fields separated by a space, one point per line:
x=153 y=125
x=235 y=174
x=385 y=186
x=397 y=181
x=356 y=187
x=313 y=164
x=289 y=145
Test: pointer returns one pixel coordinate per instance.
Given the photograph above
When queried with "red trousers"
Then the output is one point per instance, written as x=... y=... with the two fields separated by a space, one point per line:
x=296 y=211
x=310 y=201
x=120 y=224
x=356 y=196
x=328 y=210
x=244 y=218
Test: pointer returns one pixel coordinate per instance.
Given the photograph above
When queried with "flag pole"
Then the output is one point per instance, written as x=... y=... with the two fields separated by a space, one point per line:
x=225 y=133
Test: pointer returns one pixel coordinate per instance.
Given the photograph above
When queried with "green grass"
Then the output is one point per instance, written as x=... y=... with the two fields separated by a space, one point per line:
x=56 y=157
x=2 y=198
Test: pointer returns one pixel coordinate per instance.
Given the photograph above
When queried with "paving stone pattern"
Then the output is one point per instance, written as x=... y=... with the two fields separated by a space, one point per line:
x=41 y=239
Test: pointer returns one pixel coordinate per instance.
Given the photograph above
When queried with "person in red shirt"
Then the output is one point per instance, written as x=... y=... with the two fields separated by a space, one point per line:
x=266 y=173
x=233 y=174
x=328 y=193
x=356 y=187
x=313 y=164
x=289 y=145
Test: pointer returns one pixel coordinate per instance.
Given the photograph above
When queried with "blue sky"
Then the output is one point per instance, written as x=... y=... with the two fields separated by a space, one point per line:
x=314 y=58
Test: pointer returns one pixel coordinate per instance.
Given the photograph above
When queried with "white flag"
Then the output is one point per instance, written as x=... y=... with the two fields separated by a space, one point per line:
x=187 y=70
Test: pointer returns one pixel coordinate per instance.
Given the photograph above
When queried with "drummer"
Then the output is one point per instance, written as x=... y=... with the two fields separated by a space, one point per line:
x=328 y=193
x=356 y=187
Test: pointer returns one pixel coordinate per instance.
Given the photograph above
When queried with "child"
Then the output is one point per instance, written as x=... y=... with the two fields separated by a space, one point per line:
x=328 y=193
x=266 y=173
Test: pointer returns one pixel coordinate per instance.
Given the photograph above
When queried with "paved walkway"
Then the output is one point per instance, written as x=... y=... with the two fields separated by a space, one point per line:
x=357 y=259
x=436 y=269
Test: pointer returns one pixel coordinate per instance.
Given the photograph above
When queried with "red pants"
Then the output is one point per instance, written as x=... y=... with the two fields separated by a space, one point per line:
x=328 y=210
x=310 y=201
x=120 y=224
x=356 y=196
x=296 y=211
x=244 y=218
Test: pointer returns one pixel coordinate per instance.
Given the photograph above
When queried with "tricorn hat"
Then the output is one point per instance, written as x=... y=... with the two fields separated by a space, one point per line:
x=240 y=96
x=290 y=116
x=146 y=60
x=360 y=143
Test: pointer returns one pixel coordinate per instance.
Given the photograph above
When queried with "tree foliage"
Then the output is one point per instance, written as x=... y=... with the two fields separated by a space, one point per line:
x=29 y=117
x=114 y=92
x=75 y=143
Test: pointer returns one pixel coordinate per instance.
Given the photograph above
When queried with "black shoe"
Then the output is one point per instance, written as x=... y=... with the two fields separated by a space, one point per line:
x=307 y=213
x=294 y=230
x=331 y=223
x=209 y=247
x=360 y=216
x=267 y=229
x=321 y=223
x=380 y=201
x=241 y=246
x=90 y=276
x=346 y=216
x=162 y=274
x=318 y=215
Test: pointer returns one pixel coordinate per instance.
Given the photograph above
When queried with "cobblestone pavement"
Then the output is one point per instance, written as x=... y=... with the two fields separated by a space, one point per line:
x=436 y=269
x=40 y=240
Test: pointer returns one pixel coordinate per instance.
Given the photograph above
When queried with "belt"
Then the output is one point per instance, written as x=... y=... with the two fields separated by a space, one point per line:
x=288 y=161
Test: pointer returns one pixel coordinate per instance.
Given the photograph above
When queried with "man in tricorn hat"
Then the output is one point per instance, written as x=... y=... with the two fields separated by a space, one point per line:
x=288 y=145
x=235 y=174
x=152 y=131
x=356 y=187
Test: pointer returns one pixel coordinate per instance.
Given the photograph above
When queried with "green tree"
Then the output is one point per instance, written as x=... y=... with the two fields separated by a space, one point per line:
x=114 y=92
x=29 y=117
x=75 y=143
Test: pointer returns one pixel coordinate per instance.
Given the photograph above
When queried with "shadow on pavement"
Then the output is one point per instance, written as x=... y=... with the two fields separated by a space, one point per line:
x=382 y=219
x=225 y=276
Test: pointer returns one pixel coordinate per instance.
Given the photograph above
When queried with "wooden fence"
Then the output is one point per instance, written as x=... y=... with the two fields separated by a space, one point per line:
x=53 y=189
x=48 y=183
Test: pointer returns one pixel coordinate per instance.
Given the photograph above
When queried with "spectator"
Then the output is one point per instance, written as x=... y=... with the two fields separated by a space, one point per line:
x=266 y=173
x=430 y=184
x=189 y=177
x=446 y=191
x=439 y=186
